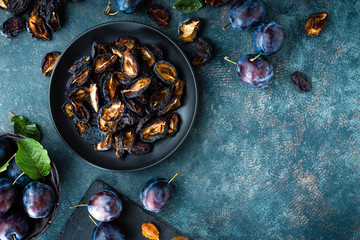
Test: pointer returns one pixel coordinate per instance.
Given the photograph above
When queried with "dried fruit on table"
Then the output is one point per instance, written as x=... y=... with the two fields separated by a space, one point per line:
x=166 y=72
x=104 y=62
x=129 y=65
x=3 y=4
x=137 y=88
x=38 y=28
x=300 y=82
x=13 y=26
x=199 y=61
x=48 y=63
x=18 y=7
x=79 y=64
x=316 y=24
x=150 y=231
x=189 y=29
x=52 y=11
x=159 y=14
x=173 y=123
x=216 y=3
x=154 y=131
x=112 y=111
x=203 y=51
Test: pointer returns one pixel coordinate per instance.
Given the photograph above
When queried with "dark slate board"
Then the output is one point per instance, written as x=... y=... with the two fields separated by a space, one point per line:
x=79 y=226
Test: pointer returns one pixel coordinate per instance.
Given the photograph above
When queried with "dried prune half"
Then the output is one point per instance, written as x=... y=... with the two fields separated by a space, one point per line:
x=54 y=20
x=173 y=104
x=67 y=109
x=48 y=63
x=300 y=82
x=154 y=131
x=129 y=118
x=188 y=30
x=117 y=52
x=166 y=72
x=112 y=111
x=140 y=148
x=134 y=106
x=159 y=15
x=13 y=26
x=80 y=64
x=104 y=62
x=173 y=122
x=159 y=99
x=81 y=127
x=142 y=123
x=316 y=24
x=98 y=49
x=124 y=43
x=110 y=88
x=178 y=88
x=147 y=56
x=52 y=11
x=104 y=145
x=142 y=99
x=33 y=11
x=93 y=135
x=137 y=88
x=199 y=61
x=3 y=4
x=18 y=7
x=216 y=3
x=79 y=94
x=80 y=112
x=118 y=151
x=94 y=96
x=107 y=127
x=126 y=139
x=38 y=28
x=123 y=79
x=129 y=65
x=158 y=52
x=203 y=48
x=79 y=78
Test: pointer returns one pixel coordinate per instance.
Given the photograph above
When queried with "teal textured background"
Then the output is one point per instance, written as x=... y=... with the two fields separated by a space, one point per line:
x=258 y=164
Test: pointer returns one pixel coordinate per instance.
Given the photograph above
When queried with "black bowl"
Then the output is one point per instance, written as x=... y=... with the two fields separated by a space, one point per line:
x=81 y=46
x=38 y=226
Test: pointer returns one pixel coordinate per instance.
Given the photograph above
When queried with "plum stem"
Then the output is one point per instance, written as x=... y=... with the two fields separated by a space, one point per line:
x=92 y=219
x=224 y=28
x=14 y=236
x=253 y=59
x=107 y=10
x=11 y=114
x=173 y=177
x=79 y=205
x=227 y=59
x=22 y=174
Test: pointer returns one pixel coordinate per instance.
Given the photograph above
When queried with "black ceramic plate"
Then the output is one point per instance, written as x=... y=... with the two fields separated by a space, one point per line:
x=81 y=46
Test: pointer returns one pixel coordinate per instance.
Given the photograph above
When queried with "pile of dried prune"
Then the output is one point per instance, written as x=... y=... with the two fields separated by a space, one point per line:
x=124 y=96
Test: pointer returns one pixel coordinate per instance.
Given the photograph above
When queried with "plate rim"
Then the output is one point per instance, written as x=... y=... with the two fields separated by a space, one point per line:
x=188 y=64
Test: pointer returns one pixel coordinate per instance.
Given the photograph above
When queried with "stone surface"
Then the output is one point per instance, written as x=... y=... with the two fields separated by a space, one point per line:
x=258 y=164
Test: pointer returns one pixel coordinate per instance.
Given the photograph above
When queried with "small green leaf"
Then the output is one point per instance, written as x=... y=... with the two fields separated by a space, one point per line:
x=188 y=6
x=25 y=127
x=4 y=167
x=32 y=158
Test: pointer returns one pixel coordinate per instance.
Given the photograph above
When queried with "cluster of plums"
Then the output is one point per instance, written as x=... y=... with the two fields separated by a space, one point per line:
x=255 y=70
x=37 y=198
x=105 y=206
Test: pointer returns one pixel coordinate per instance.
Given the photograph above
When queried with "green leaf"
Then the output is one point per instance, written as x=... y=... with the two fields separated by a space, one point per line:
x=188 y=6
x=4 y=167
x=32 y=158
x=25 y=127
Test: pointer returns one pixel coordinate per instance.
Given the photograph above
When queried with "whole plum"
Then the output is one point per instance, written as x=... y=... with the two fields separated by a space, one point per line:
x=156 y=194
x=255 y=73
x=105 y=206
x=38 y=199
x=13 y=226
x=269 y=38
x=245 y=14
x=14 y=171
x=107 y=231
x=128 y=6
x=7 y=195
x=6 y=151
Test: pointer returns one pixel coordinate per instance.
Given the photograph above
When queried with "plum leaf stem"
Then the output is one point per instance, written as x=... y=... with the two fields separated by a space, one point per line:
x=92 y=219
x=107 y=10
x=79 y=205
x=253 y=59
x=173 y=177
x=22 y=174
x=227 y=59
x=224 y=28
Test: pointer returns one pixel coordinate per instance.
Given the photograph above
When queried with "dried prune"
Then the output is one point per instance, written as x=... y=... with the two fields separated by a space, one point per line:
x=38 y=28
x=18 y=7
x=104 y=145
x=158 y=52
x=33 y=11
x=3 y=4
x=216 y=3
x=199 y=61
x=203 y=48
x=117 y=52
x=112 y=111
x=13 y=26
x=79 y=64
x=159 y=99
x=67 y=109
x=159 y=14
x=79 y=78
x=137 y=88
x=140 y=148
x=300 y=82
x=107 y=127
x=94 y=96
x=48 y=63
x=104 y=62
x=178 y=88
x=110 y=87
x=80 y=112
x=52 y=11
x=129 y=118
x=173 y=122
x=93 y=135
x=127 y=139
x=166 y=72
x=142 y=123
x=123 y=79
x=154 y=131
x=98 y=49
x=81 y=127
x=174 y=104
x=129 y=65
x=124 y=43
x=188 y=30
x=79 y=94
x=118 y=151
x=316 y=24
x=147 y=55
x=134 y=106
